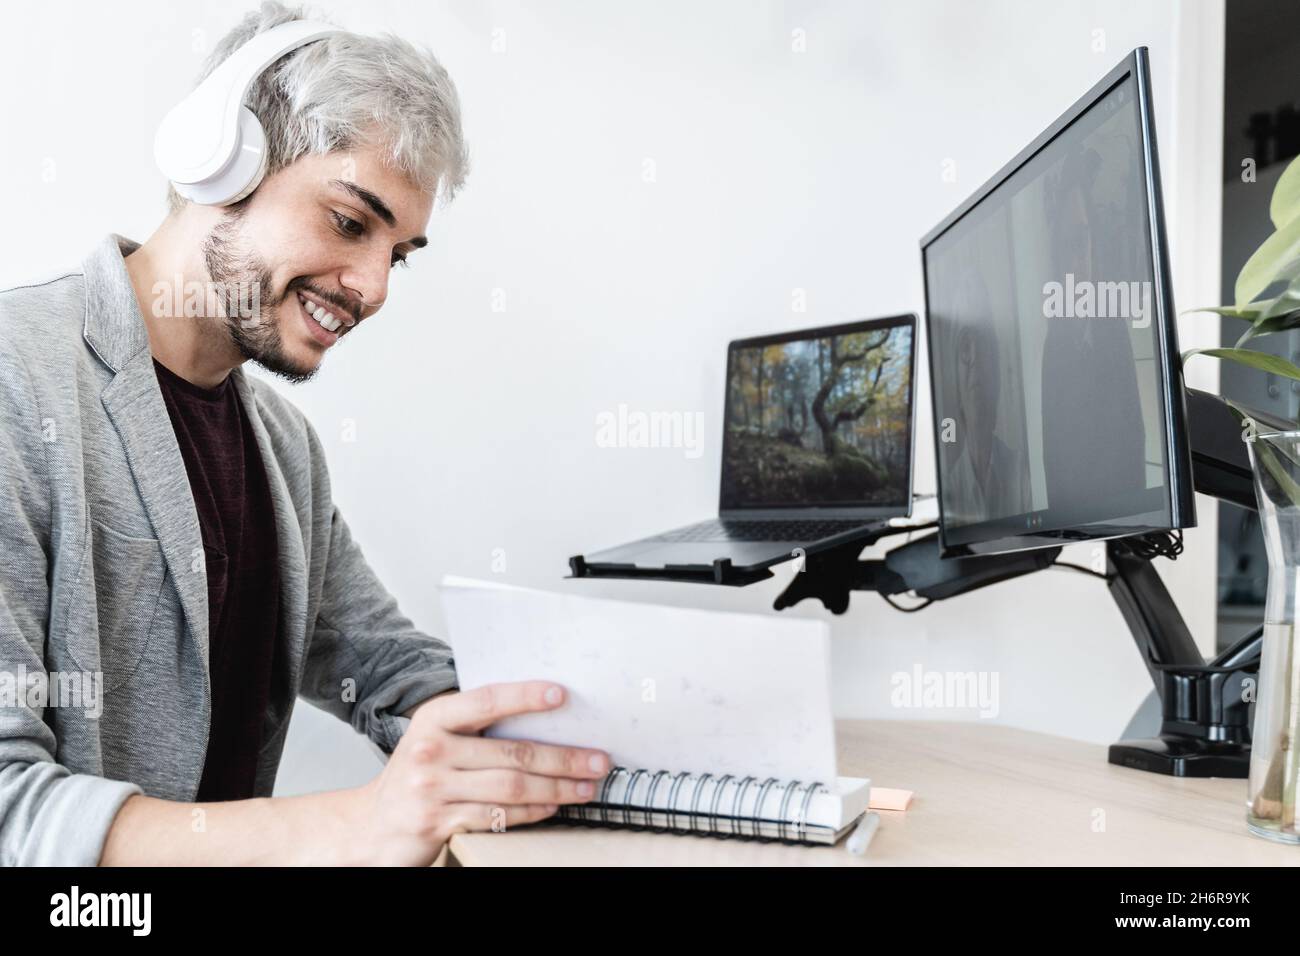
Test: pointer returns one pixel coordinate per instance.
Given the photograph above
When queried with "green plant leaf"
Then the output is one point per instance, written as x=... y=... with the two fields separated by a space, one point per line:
x=1256 y=312
x=1238 y=412
x=1268 y=457
x=1285 y=204
x=1274 y=323
x=1288 y=301
x=1248 y=312
x=1257 y=360
x=1278 y=314
x=1277 y=259
x=1266 y=454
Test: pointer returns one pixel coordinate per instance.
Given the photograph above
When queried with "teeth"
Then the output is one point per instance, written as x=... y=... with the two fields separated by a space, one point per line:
x=324 y=318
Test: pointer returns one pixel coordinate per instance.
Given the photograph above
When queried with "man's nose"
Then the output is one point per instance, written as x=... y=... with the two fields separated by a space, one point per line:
x=367 y=284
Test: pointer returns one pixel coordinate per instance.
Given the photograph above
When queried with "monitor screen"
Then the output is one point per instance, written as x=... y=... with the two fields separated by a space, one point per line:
x=1057 y=395
x=821 y=419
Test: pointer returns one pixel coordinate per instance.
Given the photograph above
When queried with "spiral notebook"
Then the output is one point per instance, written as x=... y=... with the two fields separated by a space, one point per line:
x=719 y=724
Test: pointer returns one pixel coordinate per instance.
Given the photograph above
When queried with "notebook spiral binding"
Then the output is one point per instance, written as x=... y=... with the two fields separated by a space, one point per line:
x=621 y=815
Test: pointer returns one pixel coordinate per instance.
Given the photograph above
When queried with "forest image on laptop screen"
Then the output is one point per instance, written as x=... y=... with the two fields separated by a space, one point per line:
x=820 y=421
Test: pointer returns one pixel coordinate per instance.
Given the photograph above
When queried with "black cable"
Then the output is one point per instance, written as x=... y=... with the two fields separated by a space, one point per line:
x=1157 y=544
x=907 y=610
x=1066 y=565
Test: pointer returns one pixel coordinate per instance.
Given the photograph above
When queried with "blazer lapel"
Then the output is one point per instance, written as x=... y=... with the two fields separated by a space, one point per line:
x=134 y=402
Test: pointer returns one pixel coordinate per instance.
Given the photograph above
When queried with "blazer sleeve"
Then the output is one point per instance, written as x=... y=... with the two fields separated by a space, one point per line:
x=366 y=662
x=49 y=816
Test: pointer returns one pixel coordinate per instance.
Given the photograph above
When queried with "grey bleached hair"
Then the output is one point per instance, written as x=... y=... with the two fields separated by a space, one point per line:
x=337 y=92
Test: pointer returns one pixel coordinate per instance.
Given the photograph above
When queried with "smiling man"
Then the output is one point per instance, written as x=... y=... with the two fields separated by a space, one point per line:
x=330 y=244
x=170 y=528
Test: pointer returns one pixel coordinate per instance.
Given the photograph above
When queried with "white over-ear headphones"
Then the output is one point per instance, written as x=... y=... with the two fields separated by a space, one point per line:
x=211 y=146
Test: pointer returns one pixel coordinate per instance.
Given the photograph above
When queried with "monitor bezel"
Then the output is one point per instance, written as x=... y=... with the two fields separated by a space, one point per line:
x=908 y=319
x=1177 y=446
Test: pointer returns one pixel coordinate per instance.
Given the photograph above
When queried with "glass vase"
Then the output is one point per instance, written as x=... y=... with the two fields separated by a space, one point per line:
x=1275 y=737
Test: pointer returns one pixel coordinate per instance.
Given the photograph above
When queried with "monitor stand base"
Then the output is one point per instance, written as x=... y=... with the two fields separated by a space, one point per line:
x=1181 y=756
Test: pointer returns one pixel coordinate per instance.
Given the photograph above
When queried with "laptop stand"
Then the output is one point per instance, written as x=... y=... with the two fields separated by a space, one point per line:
x=721 y=572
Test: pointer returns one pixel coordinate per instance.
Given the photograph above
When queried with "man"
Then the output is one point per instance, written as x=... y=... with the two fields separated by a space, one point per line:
x=169 y=534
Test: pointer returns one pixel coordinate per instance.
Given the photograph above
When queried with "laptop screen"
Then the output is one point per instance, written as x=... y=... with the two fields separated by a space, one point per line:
x=821 y=418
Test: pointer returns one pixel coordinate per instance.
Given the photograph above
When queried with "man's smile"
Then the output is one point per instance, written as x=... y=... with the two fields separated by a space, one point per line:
x=324 y=329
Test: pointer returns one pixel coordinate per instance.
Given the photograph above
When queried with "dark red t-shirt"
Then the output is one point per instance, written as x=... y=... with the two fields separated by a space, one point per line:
x=233 y=498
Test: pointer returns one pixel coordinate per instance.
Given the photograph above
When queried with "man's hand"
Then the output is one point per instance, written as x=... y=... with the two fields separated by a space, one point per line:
x=444 y=779
x=410 y=714
x=441 y=779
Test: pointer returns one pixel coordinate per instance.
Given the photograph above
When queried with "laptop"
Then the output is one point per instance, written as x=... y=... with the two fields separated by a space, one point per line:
x=816 y=450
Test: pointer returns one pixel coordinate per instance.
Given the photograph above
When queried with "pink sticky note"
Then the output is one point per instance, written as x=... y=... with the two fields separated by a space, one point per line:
x=885 y=798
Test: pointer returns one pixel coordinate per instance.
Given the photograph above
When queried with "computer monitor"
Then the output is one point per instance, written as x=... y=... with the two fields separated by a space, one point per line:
x=1054 y=364
x=821 y=418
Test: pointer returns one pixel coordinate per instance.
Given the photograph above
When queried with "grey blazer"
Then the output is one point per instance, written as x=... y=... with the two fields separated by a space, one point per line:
x=101 y=573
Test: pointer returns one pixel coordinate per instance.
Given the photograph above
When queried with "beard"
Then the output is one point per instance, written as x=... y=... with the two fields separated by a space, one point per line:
x=243 y=280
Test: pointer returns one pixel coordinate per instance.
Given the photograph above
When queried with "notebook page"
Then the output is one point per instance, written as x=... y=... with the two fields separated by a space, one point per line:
x=656 y=687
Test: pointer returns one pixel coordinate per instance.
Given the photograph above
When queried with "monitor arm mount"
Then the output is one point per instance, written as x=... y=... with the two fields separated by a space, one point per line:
x=1206 y=719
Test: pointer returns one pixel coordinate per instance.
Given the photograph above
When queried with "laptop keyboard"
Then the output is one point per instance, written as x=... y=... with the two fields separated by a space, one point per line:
x=769 y=530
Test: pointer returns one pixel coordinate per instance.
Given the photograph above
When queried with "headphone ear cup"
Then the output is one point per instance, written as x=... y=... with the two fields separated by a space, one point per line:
x=241 y=175
x=210 y=146
x=253 y=154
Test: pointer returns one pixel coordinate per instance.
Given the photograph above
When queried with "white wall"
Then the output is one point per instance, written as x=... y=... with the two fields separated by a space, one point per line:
x=774 y=171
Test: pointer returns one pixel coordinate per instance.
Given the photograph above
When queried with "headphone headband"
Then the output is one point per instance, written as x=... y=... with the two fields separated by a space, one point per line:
x=210 y=146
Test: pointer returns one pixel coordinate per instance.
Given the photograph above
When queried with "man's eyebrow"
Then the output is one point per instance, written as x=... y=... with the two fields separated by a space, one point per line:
x=377 y=205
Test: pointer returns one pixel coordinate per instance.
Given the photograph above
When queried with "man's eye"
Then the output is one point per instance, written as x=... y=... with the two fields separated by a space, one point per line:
x=400 y=261
x=347 y=224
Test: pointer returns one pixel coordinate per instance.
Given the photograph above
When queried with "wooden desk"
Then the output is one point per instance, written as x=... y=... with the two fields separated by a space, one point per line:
x=984 y=795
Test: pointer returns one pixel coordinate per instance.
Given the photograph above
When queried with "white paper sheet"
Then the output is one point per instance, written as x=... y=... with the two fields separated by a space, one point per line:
x=660 y=688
